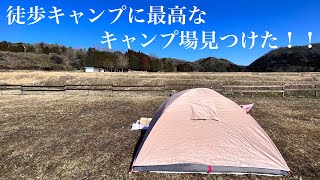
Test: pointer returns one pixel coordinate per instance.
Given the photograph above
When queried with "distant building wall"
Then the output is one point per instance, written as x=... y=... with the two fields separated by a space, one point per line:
x=88 y=69
x=100 y=70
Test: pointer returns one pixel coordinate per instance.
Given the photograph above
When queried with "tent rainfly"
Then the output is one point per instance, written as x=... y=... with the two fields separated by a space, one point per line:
x=201 y=131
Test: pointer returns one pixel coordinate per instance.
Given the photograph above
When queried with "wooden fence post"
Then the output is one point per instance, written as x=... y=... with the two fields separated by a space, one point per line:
x=315 y=90
x=283 y=90
x=112 y=87
x=232 y=91
x=251 y=90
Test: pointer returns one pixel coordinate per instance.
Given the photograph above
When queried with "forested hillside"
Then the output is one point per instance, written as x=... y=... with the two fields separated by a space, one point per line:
x=41 y=56
x=296 y=59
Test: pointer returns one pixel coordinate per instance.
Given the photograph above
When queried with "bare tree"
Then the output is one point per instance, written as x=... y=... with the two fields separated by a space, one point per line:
x=153 y=56
x=39 y=47
x=70 y=53
x=123 y=61
x=110 y=66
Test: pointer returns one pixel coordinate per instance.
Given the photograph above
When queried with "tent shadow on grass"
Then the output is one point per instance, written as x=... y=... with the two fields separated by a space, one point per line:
x=142 y=133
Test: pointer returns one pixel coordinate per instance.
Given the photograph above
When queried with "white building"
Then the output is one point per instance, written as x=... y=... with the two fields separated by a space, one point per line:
x=88 y=69
x=93 y=69
x=99 y=70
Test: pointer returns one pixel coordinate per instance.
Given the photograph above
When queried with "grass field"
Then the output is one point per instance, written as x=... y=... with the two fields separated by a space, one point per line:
x=78 y=137
x=138 y=78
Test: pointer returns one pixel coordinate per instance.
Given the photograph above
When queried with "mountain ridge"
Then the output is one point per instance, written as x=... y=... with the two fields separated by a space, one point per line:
x=56 y=57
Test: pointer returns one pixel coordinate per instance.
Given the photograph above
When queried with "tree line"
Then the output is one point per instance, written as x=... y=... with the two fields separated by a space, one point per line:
x=99 y=58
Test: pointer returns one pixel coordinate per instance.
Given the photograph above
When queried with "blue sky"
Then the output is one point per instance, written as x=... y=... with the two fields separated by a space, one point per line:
x=227 y=17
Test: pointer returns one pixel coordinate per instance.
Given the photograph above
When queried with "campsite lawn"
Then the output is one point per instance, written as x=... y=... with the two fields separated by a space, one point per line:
x=77 y=137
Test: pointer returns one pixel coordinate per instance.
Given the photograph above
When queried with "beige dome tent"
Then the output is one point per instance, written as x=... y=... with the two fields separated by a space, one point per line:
x=201 y=131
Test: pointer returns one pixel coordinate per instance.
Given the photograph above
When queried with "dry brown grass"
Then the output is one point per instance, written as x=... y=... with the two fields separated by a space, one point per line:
x=77 y=137
x=139 y=78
